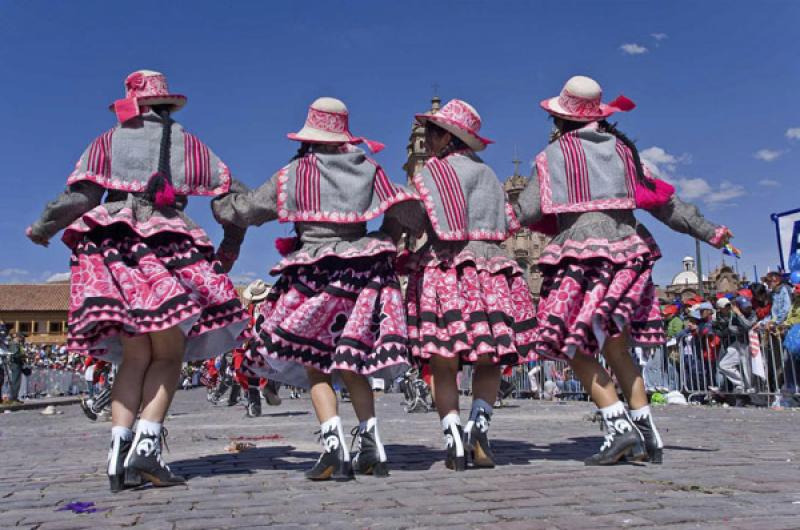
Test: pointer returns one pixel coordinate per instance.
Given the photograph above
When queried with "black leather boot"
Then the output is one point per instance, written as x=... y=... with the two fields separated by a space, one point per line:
x=271 y=393
x=370 y=456
x=116 y=464
x=652 y=439
x=144 y=463
x=454 y=439
x=253 y=402
x=233 y=397
x=622 y=441
x=334 y=462
x=477 y=441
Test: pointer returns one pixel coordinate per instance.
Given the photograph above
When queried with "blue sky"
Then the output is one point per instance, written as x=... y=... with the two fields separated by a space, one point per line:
x=715 y=83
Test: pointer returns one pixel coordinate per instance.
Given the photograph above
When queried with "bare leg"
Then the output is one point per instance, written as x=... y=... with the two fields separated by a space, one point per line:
x=628 y=374
x=161 y=379
x=127 y=390
x=444 y=373
x=360 y=394
x=594 y=379
x=486 y=381
x=323 y=398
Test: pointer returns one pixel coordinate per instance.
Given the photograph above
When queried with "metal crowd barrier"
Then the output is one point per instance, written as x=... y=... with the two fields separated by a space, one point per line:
x=755 y=367
x=44 y=382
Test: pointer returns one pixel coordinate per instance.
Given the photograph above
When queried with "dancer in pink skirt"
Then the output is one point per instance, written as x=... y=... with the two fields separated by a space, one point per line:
x=598 y=295
x=467 y=301
x=146 y=290
x=336 y=311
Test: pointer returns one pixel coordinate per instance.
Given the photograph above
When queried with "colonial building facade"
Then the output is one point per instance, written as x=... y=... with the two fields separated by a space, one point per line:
x=38 y=311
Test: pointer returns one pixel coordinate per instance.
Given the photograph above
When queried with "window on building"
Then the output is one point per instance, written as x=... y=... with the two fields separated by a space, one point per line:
x=40 y=326
x=25 y=327
x=55 y=328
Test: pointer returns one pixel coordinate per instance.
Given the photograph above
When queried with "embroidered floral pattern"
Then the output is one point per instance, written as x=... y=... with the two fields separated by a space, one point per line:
x=139 y=84
x=579 y=106
x=334 y=122
x=618 y=252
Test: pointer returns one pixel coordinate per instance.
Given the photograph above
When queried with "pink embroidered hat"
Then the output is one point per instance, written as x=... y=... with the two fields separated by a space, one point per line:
x=580 y=101
x=328 y=123
x=462 y=120
x=145 y=87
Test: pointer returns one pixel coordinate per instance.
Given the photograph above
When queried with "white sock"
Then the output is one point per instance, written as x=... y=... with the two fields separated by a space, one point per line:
x=151 y=428
x=364 y=426
x=123 y=433
x=451 y=419
x=331 y=424
x=612 y=411
x=640 y=414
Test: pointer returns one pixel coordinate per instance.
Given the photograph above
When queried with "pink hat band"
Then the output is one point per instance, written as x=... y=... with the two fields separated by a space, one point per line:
x=459 y=114
x=579 y=106
x=336 y=125
x=145 y=87
x=138 y=85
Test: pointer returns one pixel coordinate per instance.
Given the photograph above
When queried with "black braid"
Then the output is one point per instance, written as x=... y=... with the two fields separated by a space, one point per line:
x=637 y=162
x=166 y=143
x=163 y=174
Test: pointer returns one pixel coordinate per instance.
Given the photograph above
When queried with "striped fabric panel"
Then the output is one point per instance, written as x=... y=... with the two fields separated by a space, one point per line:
x=453 y=201
x=99 y=159
x=630 y=168
x=576 y=169
x=307 y=193
x=197 y=162
x=383 y=186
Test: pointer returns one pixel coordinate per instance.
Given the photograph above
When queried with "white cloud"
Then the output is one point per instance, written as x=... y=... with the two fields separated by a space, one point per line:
x=659 y=36
x=768 y=155
x=6 y=273
x=632 y=48
x=58 y=277
x=244 y=278
x=793 y=133
x=769 y=183
x=664 y=165
x=726 y=192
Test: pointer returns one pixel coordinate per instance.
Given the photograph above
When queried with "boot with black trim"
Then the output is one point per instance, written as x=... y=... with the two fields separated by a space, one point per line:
x=623 y=441
x=370 y=457
x=643 y=420
x=145 y=464
x=334 y=462
x=454 y=442
x=477 y=440
x=116 y=462
x=253 y=402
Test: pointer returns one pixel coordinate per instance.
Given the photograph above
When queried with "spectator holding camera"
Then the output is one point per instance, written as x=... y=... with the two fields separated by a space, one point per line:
x=734 y=322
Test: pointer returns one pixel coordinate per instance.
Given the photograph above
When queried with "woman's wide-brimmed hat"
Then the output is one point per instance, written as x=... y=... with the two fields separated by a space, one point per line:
x=581 y=100
x=327 y=122
x=460 y=119
x=256 y=291
x=145 y=87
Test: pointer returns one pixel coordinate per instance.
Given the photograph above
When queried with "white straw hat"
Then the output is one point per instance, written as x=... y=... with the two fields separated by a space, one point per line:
x=256 y=291
x=460 y=119
x=328 y=123
x=580 y=100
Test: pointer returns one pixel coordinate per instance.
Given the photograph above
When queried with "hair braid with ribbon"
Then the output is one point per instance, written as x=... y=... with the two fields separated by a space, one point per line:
x=160 y=188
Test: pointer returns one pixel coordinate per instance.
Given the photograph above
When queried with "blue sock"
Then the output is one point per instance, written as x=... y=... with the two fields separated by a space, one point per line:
x=478 y=404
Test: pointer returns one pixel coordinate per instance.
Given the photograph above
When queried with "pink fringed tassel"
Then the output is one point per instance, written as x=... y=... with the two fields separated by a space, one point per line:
x=285 y=245
x=166 y=195
x=647 y=198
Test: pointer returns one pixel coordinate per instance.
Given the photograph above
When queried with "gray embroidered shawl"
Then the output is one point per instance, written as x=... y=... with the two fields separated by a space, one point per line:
x=464 y=200
x=125 y=157
x=586 y=170
x=343 y=187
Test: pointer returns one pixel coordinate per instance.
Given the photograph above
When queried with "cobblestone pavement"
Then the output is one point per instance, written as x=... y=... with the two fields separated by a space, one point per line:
x=724 y=468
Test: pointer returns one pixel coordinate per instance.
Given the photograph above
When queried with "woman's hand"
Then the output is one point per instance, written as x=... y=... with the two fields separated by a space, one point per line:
x=37 y=239
x=721 y=238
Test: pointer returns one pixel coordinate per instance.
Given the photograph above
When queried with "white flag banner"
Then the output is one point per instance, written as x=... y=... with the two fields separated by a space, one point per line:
x=788 y=226
x=759 y=369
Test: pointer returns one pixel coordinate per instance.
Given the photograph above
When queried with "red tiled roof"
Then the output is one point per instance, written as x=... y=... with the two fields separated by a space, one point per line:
x=34 y=297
